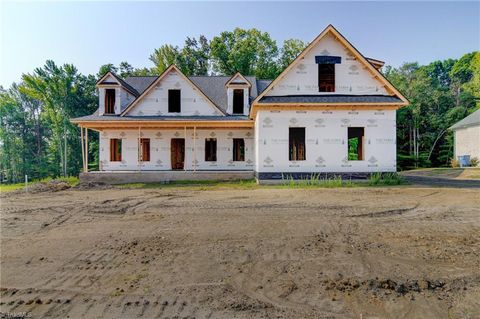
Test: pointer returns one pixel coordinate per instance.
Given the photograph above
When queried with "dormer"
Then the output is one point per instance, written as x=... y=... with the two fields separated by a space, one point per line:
x=238 y=93
x=114 y=94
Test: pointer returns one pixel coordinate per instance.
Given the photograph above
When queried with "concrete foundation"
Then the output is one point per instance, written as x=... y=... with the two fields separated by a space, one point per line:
x=125 y=177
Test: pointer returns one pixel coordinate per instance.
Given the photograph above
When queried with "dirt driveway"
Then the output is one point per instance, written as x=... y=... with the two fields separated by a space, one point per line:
x=236 y=253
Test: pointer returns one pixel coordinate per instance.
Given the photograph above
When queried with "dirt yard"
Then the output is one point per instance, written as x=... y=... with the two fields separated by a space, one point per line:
x=401 y=252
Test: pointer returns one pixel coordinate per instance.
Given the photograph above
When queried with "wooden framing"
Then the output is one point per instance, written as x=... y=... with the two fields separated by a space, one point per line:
x=238 y=74
x=154 y=83
x=338 y=36
x=100 y=125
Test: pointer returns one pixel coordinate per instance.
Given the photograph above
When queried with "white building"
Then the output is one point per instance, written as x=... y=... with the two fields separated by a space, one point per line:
x=467 y=136
x=330 y=111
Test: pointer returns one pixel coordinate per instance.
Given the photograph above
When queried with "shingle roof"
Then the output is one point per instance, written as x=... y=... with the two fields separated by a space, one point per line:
x=471 y=120
x=140 y=83
x=330 y=98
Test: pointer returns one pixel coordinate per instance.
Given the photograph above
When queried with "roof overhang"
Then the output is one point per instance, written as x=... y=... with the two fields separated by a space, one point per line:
x=322 y=107
x=163 y=124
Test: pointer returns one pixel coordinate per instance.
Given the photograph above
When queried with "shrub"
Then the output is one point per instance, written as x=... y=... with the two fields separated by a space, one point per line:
x=454 y=163
x=474 y=161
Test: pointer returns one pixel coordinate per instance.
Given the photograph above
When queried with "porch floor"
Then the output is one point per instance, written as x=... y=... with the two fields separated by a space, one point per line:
x=125 y=177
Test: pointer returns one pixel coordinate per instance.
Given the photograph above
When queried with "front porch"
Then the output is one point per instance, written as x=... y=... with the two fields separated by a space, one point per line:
x=126 y=177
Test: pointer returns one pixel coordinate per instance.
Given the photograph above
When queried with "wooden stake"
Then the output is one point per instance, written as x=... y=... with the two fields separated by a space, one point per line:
x=83 y=148
x=194 y=148
x=86 y=150
x=185 y=150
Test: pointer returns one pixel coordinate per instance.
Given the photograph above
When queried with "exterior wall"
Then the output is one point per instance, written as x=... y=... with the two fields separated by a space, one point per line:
x=122 y=99
x=246 y=99
x=156 y=101
x=326 y=141
x=467 y=141
x=351 y=77
x=160 y=149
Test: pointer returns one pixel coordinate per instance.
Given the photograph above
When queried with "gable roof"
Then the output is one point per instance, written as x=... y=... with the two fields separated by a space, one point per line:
x=121 y=82
x=158 y=79
x=471 y=120
x=331 y=29
x=238 y=78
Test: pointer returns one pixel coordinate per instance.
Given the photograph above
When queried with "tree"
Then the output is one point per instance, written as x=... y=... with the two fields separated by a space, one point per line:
x=104 y=69
x=249 y=52
x=163 y=57
x=290 y=50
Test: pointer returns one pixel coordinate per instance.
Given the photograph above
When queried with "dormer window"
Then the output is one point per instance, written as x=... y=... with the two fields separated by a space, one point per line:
x=174 y=99
x=110 y=101
x=238 y=101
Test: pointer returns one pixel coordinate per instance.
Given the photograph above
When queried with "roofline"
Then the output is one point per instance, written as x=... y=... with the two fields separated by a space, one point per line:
x=343 y=40
x=351 y=106
x=234 y=76
x=160 y=77
x=121 y=82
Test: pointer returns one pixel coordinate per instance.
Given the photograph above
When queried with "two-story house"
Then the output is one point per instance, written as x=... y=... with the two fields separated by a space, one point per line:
x=330 y=111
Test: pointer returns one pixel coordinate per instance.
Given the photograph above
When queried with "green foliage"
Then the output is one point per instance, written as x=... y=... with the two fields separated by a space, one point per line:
x=315 y=180
x=440 y=94
x=352 y=149
x=385 y=179
x=250 y=52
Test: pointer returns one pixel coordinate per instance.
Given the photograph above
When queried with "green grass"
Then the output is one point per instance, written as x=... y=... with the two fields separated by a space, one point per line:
x=12 y=187
x=209 y=184
x=388 y=179
x=315 y=180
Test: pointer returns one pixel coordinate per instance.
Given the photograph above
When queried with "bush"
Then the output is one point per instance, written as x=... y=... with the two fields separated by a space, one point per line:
x=454 y=163
x=385 y=179
x=474 y=161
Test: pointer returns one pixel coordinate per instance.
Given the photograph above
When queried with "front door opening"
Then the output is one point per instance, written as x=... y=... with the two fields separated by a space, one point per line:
x=177 y=148
x=355 y=143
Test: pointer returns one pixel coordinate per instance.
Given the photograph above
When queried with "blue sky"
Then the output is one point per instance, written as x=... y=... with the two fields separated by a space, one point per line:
x=89 y=34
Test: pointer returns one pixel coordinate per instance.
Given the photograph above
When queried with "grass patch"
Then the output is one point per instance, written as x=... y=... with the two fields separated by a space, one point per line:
x=389 y=179
x=208 y=184
x=315 y=180
x=72 y=180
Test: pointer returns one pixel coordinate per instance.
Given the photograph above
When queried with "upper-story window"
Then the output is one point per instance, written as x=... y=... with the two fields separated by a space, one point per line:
x=238 y=101
x=174 y=98
x=110 y=101
x=326 y=77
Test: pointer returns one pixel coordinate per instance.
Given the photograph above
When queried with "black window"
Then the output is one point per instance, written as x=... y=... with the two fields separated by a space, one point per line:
x=174 y=101
x=237 y=101
x=355 y=143
x=326 y=77
x=296 y=141
x=238 y=149
x=109 y=101
x=210 y=149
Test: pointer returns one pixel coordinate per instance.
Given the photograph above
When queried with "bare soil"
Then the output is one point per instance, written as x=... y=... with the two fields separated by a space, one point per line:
x=400 y=252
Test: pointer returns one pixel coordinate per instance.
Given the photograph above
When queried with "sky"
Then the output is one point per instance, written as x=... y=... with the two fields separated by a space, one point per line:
x=90 y=34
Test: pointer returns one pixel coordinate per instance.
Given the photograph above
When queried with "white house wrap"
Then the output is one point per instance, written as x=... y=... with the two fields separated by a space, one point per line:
x=330 y=111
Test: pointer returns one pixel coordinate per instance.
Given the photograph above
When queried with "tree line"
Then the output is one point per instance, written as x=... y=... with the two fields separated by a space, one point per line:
x=38 y=140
